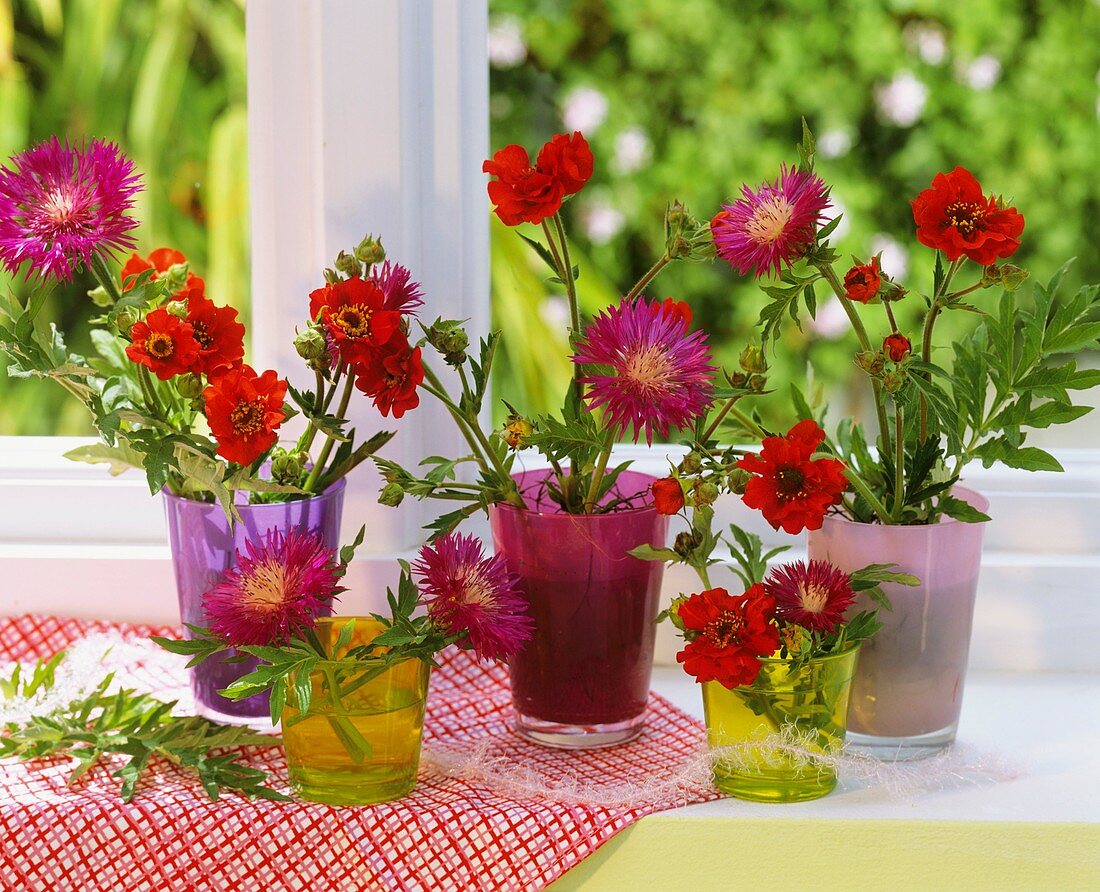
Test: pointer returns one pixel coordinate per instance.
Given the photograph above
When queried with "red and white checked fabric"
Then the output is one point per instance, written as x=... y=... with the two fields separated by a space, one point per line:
x=448 y=834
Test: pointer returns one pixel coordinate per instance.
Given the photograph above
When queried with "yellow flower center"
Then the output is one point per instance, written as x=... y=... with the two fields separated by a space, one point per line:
x=965 y=216
x=769 y=220
x=160 y=345
x=813 y=597
x=790 y=483
x=724 y=629
x=265 y=588
x=648 y=368
x=354 y=321
x=248 y=418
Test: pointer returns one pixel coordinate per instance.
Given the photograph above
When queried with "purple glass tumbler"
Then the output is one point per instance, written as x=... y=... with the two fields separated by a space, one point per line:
x=204 y=547
x=583 y=678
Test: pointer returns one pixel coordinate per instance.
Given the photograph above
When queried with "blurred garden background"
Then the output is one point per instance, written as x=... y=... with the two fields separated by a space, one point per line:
x=680 y=99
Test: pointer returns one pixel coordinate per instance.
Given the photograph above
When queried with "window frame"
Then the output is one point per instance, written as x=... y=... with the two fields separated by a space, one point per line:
x=75 y=541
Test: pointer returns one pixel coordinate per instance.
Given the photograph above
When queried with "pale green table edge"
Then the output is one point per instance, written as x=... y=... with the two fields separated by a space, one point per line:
x=697 y=854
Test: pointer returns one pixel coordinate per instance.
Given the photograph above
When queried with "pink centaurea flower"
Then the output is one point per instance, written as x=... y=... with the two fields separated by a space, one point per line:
x=402 y=293
x=61 y=205
x=772 y=226
x=277 y=590
x=813 y=595
x=660 y=376
x=473 y=597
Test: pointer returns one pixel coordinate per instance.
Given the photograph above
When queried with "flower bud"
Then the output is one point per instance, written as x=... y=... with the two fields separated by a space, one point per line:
x=686 y=543
x=348 y=265
x=897 y=347
x=752 y=359
x=370 y=250
x=517 y=430
x=331 y=276
x=674 y=611
x=894 y=381
x=871 y=362
x=686 y=238
x=737 y=379
x=737 y=479
x=757 y=383
x=177 y=308
x=311 y=344
x=288 y=466
x=189 y=385
x=690 y=464
x=176 y=277
x=704 y=492
x=392 y=495
x=449 y=338
x=126 y=320
x=100 y=297
x=1012 y=277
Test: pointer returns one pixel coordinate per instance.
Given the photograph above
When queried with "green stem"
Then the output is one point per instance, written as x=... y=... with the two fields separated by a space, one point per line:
x=890 y=316
x=751 y=426
x=148 y=390
x=926 y=344
x=307 y=437
x=471 y=430
x=601 y=467
x=570 y=292
x=722 y=413
x=864 y=490
x=649 y=276
x=899 y=462
x=98 y=268
x=319 y=465
x=831 y=277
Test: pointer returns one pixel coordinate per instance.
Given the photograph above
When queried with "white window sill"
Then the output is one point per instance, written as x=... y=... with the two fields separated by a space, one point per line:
x=1039 y=830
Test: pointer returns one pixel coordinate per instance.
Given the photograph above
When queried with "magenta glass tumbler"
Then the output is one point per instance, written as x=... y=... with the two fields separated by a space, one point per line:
x=583 y=678
x=204 y=547
x=908 y=688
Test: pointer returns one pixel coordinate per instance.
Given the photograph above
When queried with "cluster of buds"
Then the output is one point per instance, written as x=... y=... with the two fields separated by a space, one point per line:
x=189 y=386
x=288 y=466
x=313 y=346
x=348 y=265
x=1006 y=275
x=686 y=238
x=888 y=364
x=754 y=367
x=450 y=339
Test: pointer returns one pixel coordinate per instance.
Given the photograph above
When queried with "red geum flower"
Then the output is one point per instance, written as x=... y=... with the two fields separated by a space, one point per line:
x=568 y=160
x=164 y=344
x=732 y=633
x=862 y=282
x=789 y=489
x=219 y=334
x=390 y=374
x=813 y=595
x=897 y=347
x=354 y=313
x=668 y=495
x=954 y=216
x=160 y=261
x=244 y=411
x=677 y=309
x=522 y=193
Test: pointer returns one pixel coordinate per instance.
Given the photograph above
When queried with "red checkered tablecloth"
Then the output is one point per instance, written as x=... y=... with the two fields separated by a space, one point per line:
x=519 y=823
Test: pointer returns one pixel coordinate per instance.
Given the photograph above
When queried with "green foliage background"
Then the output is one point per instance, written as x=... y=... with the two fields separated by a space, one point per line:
x=718 y=87
x=166 y=80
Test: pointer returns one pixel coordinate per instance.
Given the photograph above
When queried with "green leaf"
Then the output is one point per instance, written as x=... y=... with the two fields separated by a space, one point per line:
x=1030 y=458
x=962 y=510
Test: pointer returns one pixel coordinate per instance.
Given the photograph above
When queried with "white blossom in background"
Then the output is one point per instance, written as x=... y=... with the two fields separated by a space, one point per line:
x=895 y=259
x=983 y=72
x=601 y=221
x=554 y=311
x=834 y=143
x=584 y=109
x=831 y=322
x=507 y=48
x=632 y=150
x=836 y=208
x=902 y=100
x=927 y=41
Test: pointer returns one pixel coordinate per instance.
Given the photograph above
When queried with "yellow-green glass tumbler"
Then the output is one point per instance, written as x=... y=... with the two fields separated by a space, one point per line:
x=775 y=731
x=362 y=746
